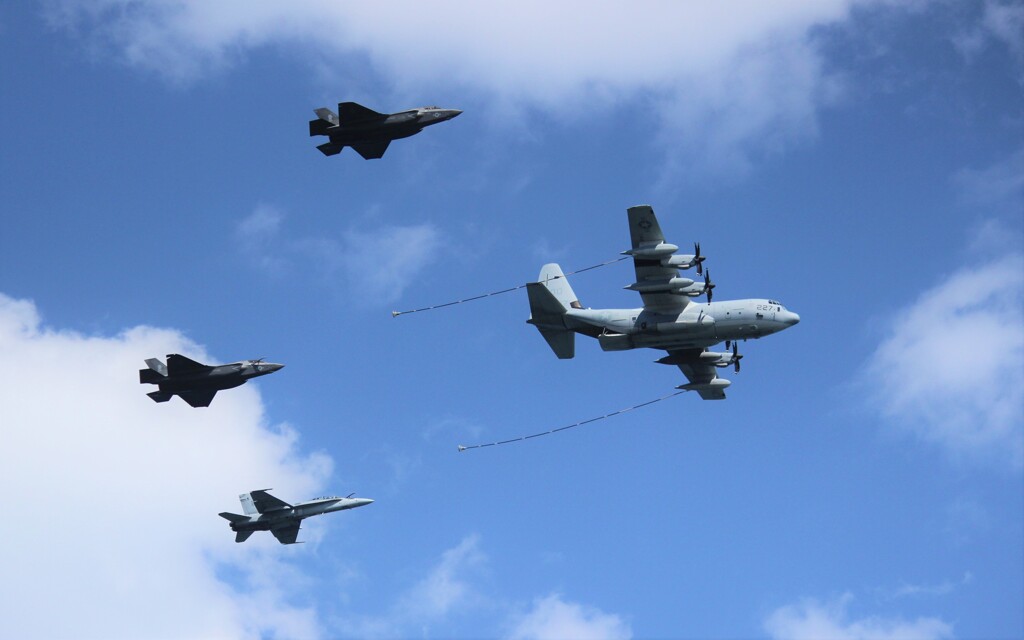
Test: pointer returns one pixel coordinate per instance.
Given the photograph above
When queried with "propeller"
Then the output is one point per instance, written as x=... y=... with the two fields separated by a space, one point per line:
x=736 y=357
x=708 y=285
x=697 y=258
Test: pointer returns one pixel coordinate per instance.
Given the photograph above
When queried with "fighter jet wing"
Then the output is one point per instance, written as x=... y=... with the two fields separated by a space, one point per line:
x=697 y=372
x=196 y=398
x=645 y=233
x=287 y=534
x=265 y=502
x=177 y=365
x=371 y=150
x=349 y=112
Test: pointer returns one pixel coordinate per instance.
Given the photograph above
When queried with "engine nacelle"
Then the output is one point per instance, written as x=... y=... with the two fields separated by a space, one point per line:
x=715 y=358
x=615 y=342
x=678 y=262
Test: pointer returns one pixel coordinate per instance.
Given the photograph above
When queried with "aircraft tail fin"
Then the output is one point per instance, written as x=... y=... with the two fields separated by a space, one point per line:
x=325 y=115
x=160 y=396
x=242 y=536
x=550 y=298
x=248 y=506
x=233 y=517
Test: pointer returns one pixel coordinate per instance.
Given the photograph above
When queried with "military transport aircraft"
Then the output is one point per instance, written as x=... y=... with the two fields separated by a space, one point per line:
x=669 y=320
x=264 y=512
x=369 y=132
x=197 y=383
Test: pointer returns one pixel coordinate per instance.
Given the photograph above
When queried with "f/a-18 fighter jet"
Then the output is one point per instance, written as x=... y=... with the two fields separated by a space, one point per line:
x=669 y=319
x=264 y=512
x=197 y=383
x=369 y=132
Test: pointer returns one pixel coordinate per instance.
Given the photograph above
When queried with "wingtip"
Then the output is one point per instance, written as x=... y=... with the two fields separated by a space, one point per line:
x=461 y=448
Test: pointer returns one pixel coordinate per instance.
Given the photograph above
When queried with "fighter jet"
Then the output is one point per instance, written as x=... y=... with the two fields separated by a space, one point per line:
x=197 y=383
x=264 y=512
x=669 y=319
x=369 y=132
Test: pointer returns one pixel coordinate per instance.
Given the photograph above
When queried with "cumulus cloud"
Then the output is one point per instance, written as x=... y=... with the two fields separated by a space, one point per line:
x=813 y=620
x=723 y=80
x=113 y=499
x=553 y=619
x=950 y=367
x=446 y=587
x=374 y=262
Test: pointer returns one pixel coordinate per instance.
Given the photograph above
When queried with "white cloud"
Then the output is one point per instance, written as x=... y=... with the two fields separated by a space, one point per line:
x=379 y=263
x=375 y=262
x=999 y=186
x=113 y=499
x=446 y=588
x=257 y=237
x=554 y=619
x=811 y=620
x=950 y=368
x=724 y=80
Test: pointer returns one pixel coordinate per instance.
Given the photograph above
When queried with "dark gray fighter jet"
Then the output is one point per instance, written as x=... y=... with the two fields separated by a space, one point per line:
x=369 y=132
x=264 y=512
x=197 y=383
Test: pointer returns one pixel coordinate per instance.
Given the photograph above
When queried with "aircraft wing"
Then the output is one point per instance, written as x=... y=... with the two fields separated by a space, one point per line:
x=197 y=398
x=349 y=112
x=177 y=365
x=265 y=502
x=645 y=232
x=371 y=150
x=697 y=372
x=287 y=534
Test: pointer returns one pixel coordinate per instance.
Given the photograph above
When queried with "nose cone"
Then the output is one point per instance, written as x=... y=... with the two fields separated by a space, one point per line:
x=272 y=367
x=359 y=502
x=792 y=318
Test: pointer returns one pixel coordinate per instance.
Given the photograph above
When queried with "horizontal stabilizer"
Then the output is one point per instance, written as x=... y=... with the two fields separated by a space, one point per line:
x=233 y=517
x=160 y=396
x=242 y=536
x=325 y=115
x=330 y=148
x=319 y=127
x=349 y=112
x=148 y=376
x=562 y=342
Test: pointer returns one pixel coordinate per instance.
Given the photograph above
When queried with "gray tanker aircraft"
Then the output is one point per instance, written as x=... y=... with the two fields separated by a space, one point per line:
x=197 y=383
x=264 y=512
x=668 y=320
x=369 y=132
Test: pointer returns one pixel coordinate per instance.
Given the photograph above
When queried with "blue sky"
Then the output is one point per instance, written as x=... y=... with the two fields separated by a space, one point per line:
x=862 y=162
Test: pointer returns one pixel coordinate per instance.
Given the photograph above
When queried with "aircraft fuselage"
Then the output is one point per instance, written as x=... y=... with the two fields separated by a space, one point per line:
x=697 y=326
x=298 y=512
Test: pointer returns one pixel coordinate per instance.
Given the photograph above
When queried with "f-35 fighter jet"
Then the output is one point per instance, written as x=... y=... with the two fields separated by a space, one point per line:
x=197 y=383
x=369 y=132
x=264 y=512
x=668 y=320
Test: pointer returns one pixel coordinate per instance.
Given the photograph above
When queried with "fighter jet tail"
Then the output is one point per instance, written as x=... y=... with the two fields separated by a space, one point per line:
x=233 y=517
x=550 y=298
x=148 y=376
x=242 y=536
